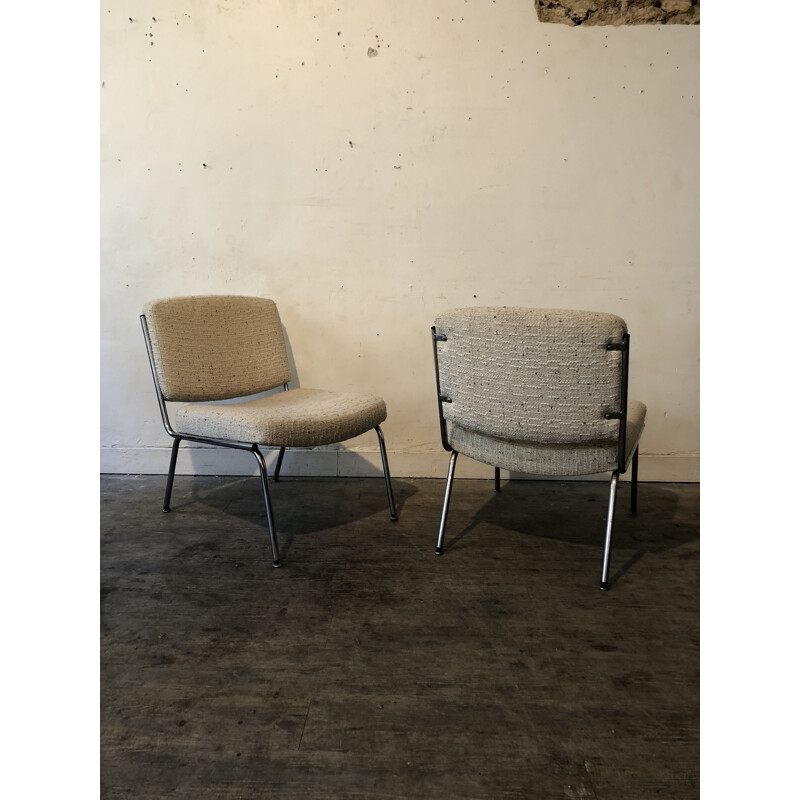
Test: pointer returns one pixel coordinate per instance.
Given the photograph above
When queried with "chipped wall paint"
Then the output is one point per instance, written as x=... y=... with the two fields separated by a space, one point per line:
x=619 y=12
x=477 y=157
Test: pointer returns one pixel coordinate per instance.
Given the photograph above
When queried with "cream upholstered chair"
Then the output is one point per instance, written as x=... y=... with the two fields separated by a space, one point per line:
x=537 y=391
x=219 y=347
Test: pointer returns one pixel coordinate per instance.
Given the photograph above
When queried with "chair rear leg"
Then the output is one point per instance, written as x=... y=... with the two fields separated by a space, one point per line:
x=448 y=489
x=634 y=479
x=173 y=460
x=387 y=477
x=262 y=468
x=278 y=463
x=497 y=479
x=609 y=527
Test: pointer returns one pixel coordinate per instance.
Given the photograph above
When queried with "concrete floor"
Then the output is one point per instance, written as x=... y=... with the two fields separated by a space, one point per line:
x=368 y=667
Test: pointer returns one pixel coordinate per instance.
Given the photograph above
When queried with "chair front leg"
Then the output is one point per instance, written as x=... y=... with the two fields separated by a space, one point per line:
x=609 y=527
x=262 y=468
x=497 y=479
x=448 y=489
x=173 y=460
x=386 y=476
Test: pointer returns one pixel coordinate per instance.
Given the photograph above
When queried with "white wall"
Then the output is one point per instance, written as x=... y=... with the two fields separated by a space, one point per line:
x=494 y=160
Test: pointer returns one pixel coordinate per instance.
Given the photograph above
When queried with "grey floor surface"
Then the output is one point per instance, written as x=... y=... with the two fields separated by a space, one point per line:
x=368 y=667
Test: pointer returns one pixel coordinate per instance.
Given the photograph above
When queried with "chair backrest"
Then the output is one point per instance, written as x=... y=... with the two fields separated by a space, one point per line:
x=214 y=347
x=532 y=374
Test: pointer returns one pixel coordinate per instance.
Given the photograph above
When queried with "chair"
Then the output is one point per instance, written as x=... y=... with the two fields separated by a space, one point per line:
x=537 y=391
x=220 y=347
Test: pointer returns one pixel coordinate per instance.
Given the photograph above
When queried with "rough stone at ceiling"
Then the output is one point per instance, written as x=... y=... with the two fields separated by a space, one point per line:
x=619 y=12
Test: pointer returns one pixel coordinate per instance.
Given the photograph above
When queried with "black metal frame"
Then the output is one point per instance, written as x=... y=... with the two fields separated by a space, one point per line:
x=622 y=416
x=440 y=337
x=251 y=448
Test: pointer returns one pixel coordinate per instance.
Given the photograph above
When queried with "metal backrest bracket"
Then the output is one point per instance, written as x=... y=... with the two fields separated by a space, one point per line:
x=440 y=398
x=625 y=347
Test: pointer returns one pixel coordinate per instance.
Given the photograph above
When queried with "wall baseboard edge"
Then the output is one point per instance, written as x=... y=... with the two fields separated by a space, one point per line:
x=198 y=460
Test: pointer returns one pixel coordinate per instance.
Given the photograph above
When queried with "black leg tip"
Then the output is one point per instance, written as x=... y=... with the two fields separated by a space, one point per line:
x=166 y=509
x=439 y=551
x=277 y=564
x=393 y=517
x=604 y=586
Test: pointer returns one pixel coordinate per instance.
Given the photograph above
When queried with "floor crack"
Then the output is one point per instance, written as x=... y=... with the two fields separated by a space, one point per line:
x=302 y=733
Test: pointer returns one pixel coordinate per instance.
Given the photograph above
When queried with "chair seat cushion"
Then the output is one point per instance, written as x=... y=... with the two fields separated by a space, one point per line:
x=297 y=418
x=535 y=458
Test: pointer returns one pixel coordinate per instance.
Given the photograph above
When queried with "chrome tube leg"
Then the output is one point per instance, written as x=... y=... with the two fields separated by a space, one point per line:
x=634 y=479
x=387 y=477
x=609 y=526
x=497 y=479
x=278 y=463
x=446 y=506
x=262 y=468
x=173 y=460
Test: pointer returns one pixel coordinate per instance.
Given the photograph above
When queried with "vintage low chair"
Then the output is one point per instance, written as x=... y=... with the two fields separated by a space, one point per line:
x=537 y=391
x=219 y=347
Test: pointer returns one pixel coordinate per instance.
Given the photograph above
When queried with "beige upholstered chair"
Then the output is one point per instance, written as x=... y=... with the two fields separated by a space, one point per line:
x=537 y=391
x=219 y=347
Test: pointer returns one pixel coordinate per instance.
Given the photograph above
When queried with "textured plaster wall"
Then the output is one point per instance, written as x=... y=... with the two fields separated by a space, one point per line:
x=620 y=12
x=367 y=164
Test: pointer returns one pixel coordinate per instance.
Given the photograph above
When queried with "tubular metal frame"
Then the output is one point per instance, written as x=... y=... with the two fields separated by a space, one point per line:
x=386 y=476
x=621 y=468
x=448 y=489
x=252 y=448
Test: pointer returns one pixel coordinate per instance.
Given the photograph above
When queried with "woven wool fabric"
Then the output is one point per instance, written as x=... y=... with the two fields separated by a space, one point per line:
x=215 y=347
x=548 y=459
x=530 y=374
x=297 y=418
